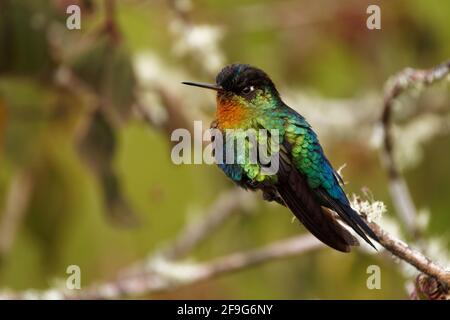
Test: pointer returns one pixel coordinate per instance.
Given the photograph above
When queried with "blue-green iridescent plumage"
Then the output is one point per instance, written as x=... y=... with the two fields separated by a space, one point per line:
x=306 y=182
x=308 y=156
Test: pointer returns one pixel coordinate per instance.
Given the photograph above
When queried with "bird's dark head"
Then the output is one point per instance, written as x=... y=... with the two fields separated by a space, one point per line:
x=243 y=79
x=244 y=84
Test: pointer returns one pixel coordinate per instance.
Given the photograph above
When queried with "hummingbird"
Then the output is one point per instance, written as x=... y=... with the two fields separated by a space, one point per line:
x=305 y=181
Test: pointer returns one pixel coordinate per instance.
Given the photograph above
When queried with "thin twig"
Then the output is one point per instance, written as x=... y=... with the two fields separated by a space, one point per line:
x=164 y=275
x=226 y=205
x=198 y=230
x=274 y=251
x=17 y=200
x=398 y=84
x=110 y=25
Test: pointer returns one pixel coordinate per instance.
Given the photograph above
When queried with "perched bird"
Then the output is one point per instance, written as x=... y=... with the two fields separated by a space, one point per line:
x=305 y=182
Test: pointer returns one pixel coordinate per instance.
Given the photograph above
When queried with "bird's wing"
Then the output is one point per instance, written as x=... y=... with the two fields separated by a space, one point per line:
x=293 y=190
x=309 y=159
x=298 y=196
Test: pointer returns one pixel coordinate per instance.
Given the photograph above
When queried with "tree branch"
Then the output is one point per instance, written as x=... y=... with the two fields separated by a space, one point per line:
x=198 y=230
x=396 y=86
x=162 y=275
x=415 y=258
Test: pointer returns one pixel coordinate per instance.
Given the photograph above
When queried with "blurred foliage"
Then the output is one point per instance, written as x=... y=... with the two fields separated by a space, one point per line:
x=66 y=116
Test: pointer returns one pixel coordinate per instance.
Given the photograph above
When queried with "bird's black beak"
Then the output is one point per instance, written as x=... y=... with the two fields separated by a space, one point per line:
x=203 y=85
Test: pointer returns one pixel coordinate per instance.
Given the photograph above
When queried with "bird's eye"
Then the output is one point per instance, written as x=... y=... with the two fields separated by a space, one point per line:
x=248 y=89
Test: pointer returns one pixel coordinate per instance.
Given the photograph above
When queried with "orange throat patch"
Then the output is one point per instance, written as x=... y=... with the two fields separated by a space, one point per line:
x=231 y=114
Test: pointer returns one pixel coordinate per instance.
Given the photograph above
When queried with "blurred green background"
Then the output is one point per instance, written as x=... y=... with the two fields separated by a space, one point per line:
x=96 y=180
